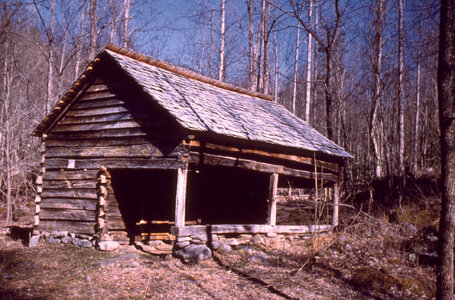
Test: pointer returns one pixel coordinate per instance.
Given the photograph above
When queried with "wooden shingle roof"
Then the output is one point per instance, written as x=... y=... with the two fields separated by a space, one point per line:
x=202 y=104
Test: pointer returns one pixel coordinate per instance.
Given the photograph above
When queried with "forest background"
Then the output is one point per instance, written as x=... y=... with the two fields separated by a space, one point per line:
x=363 y=73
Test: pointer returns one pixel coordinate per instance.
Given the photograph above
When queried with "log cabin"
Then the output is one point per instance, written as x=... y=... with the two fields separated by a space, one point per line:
x=140 y=147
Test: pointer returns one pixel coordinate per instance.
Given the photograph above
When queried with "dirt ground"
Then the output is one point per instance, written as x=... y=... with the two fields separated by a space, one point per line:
x=368 y=259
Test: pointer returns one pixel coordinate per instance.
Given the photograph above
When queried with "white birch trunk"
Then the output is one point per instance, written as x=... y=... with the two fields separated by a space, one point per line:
x=308 y=67
x=401 y=87
x=92 y=46
x=221 y=73
x=296 y=70
x=125 y=25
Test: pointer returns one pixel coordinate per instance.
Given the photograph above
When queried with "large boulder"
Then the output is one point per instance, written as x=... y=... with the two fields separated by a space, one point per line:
x=108 y=245
x=193 y=254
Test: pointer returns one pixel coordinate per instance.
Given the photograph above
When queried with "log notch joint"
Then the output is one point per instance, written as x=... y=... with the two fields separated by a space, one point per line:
x=104 y=179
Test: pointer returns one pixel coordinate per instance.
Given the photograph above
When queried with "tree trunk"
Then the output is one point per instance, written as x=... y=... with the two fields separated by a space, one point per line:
x=328 y=94
x=252 y=80
x=50 y=70
x=446 y=96
x=113 y=22
x=401 y=88
x=92 y=46
x=126 y=35
x=308 y=67
x=222 y=74
x=376 y=125
x=266 y=76
x=296 y=70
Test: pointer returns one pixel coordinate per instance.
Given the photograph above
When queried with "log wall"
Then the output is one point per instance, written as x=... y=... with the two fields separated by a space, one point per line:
x=107 y=125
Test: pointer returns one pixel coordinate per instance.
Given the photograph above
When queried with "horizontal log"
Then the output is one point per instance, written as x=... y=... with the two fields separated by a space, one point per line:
x=105 y=86
x=114 y=163
x=71 y=226
x=212 y=159
x=294 y=158
x=112 y=133
x=69 y=193
x=106 y=142
x=248 y=228
x=105 y=126
x=100 y=95
x=97 y=111
x=102 y=118
x=98 y=103
x=115 y=223
x=65 y=203
x=67 y=214
x=113 y=211
x=144 y=150
x=70 y=175
x=69 y=184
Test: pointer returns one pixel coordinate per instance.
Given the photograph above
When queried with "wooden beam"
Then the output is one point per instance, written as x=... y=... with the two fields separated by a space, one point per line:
x=114 y=163
x=295 y=158
x=336 y=199
x=273 y=187
x=180 y=197
x=227 y=161
x=248 y=228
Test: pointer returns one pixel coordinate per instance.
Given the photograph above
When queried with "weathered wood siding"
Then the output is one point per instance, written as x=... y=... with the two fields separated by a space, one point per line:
x=108 y=125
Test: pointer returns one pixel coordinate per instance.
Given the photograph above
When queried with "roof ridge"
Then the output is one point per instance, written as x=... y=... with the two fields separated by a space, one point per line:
x=183 y=71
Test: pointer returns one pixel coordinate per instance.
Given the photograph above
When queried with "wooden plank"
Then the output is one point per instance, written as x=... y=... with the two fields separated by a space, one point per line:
x=273 y=187
x=67 y=214
x=336 y=200
x=111 y=133
x=71 y=226
x=114 y=163
x=100 y=95
x=98 y=103
x=113 y=211
x=103 y=142
x=70 y=175
x=295 y=158
x=115 y=223
x=101 y=87
x=97 y=111
x=104 y=126
x=248 y=228
x=227 y=161
x=69 y=193
x=65 y=203
x=143 y=150
x=103 y=118
x=180 y=196
x=69 y=184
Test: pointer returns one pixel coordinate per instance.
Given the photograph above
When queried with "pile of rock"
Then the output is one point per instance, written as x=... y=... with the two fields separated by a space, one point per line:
x=75 y=239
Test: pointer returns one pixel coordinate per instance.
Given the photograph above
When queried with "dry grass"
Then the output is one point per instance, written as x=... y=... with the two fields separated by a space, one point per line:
x=366 y=259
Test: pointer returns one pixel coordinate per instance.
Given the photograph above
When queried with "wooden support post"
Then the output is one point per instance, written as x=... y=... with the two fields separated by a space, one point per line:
x=180 y=197
x=336 y=199
x=273 y=187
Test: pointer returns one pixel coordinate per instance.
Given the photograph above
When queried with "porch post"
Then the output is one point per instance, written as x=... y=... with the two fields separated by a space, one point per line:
x=273 y=187
x=336 y=199
x=180 y=197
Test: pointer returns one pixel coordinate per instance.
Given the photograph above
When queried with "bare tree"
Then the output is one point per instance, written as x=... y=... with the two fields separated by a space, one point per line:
x=328 y=44
x=221 y=73
x=401 y=88
x=308 y=66
x=125 y=25
x=93 y=31
x=376 y=124
x=446 y=96
x=296 y=70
